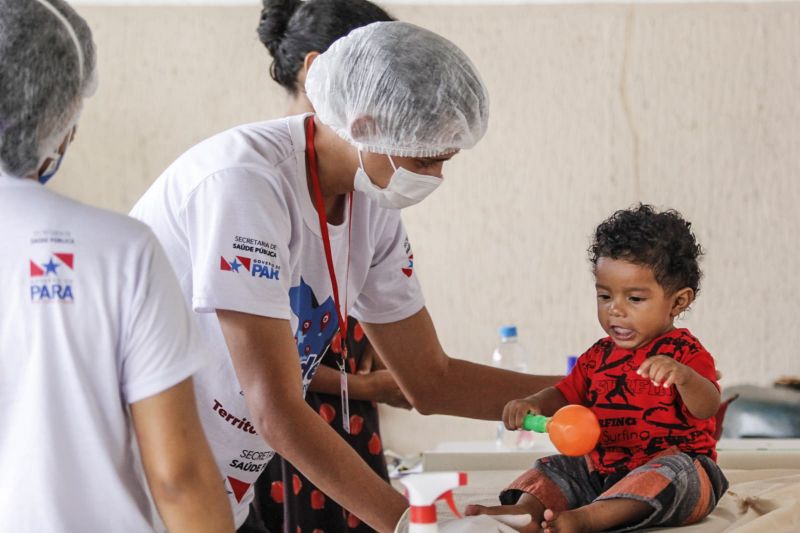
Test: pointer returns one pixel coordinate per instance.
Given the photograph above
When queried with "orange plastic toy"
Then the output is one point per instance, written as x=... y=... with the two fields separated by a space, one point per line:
x=573 y=430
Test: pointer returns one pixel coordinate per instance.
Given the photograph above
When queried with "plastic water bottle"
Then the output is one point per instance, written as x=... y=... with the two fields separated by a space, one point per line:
x=510 y=355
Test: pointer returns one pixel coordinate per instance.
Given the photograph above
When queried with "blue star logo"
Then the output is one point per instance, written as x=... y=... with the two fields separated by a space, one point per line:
x=234 y=265
x=50 y=267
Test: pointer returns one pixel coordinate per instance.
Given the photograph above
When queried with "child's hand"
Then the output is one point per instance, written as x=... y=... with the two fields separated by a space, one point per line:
x=664 y=369
x=514 y=412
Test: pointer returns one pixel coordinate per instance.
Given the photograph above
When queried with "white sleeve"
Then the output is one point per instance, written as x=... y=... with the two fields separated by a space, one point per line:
x=238 y=229
x=160 y=344
x=391 y=291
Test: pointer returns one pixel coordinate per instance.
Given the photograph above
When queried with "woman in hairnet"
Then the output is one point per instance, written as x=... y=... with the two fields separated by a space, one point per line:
x=295 y=32
x=279 y=229
x=97 y=347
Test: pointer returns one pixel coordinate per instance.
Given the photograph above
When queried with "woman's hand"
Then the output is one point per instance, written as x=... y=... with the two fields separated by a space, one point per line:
x=369 y=361
x=383 y=388
x=378 y=383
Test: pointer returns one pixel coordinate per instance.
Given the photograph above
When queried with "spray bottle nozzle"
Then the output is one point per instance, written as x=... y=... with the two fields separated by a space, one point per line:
x=424 y=489
x=448 y=497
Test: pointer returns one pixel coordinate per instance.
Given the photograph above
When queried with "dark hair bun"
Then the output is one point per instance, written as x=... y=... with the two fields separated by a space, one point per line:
x=275 y=16
x=290 y=29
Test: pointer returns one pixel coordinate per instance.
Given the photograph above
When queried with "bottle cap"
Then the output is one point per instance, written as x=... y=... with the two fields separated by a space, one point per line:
x=508 y=331
x=571 y=360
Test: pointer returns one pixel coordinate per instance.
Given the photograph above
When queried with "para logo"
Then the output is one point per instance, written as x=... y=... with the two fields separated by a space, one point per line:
x=51 y=281
x=242 y=264
x=408 y=270
x=238 y=488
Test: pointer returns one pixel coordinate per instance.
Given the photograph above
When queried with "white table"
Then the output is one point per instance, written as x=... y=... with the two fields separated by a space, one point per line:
x=742 y=454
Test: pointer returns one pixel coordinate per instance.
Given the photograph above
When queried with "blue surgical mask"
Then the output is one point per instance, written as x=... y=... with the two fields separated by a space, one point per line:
x=57 y=153
x=52 y=168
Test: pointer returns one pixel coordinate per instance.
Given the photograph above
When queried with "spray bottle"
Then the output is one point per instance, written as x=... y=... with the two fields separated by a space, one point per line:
x=422 y=491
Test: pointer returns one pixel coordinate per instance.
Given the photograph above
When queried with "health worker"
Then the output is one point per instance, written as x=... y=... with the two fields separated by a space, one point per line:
x=279 y=229
x=295 y=32
x=97 y=348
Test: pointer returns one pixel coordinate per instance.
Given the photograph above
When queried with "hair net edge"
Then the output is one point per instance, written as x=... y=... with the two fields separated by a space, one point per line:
x=396 y=152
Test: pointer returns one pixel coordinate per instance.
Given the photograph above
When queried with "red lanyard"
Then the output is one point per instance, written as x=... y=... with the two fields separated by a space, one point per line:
x=311 y=164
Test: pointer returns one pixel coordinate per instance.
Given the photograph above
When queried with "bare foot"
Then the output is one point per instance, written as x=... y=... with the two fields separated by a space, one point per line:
x=474 y=509
x=530 y=527
x=562 y=522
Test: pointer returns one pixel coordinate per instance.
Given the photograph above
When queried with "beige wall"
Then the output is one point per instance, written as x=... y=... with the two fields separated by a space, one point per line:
x=593 y=108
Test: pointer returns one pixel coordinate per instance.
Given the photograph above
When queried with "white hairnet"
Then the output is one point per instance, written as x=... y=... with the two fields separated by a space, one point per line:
x=48 y=66
x=398 y=89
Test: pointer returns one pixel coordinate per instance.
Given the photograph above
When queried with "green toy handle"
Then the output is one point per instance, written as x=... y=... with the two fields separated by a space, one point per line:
x=537 y=423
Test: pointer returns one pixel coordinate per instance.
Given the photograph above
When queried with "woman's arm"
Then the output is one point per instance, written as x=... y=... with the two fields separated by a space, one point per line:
x=438 y=384
x=265 y=359
x=374 y=386
x=180 y=469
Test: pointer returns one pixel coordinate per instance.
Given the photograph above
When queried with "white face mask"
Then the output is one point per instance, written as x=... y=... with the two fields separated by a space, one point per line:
x=405 y=188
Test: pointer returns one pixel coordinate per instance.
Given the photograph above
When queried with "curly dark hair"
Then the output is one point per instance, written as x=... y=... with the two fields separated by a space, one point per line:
x=662 y=241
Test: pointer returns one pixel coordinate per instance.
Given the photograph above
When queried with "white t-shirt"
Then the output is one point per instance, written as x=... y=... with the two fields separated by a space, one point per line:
x=237 y=221
x=92 y=321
